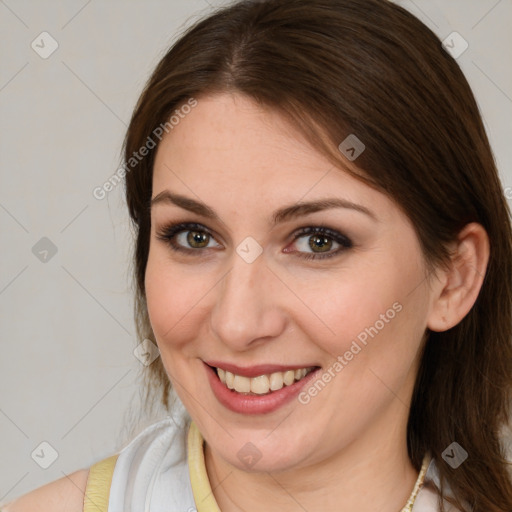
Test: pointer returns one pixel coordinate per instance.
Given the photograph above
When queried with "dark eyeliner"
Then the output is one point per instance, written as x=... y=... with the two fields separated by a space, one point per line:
x=344 y=241
x=168 y=232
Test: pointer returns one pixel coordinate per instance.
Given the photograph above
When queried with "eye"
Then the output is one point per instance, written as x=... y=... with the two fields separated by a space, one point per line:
x=187 y=237
x=317 y=242
x=312 y=242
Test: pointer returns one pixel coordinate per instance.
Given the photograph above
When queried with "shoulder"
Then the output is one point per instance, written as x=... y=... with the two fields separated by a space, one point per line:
x=63 y=495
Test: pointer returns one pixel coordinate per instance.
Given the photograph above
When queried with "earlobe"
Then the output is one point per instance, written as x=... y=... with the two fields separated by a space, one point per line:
x=459 y=284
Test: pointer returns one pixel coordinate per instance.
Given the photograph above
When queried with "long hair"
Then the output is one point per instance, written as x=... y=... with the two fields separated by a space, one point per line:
x=370 y=68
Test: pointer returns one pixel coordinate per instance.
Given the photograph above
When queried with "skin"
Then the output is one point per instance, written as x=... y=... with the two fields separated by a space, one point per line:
x=62 y=495
x=346 y=448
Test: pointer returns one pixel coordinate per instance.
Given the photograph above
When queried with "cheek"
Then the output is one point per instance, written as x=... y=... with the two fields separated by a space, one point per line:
x=367 y=307
x=175 y=300
x=342 y=307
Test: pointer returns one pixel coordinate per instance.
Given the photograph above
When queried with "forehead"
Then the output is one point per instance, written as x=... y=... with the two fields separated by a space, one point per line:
x=229 y=149
x=230 y=128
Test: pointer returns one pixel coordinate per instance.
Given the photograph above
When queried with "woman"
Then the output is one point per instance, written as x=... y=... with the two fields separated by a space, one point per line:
x=323 y=258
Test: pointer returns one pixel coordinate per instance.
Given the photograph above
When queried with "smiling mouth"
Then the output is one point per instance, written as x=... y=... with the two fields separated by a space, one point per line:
x=262 y=384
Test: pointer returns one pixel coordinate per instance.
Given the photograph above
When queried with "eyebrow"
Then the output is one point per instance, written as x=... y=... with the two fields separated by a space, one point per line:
x=280 y=215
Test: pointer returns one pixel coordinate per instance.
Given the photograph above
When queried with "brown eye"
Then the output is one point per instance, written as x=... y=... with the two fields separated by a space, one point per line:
x=320 y=242
x=317 y=242
x=197 y=239
x=187 y=237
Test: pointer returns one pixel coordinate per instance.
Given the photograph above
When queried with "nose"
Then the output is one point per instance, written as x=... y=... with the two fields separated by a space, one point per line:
x=247 y=311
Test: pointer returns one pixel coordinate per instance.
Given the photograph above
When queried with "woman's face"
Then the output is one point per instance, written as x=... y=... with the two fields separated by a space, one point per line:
x=259 y=289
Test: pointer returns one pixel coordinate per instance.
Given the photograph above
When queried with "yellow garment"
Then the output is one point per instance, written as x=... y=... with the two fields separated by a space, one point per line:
x=97 y=490
x=201 y=489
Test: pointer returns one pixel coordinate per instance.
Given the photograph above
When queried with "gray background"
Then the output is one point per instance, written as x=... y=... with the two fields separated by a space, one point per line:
x=68 y=373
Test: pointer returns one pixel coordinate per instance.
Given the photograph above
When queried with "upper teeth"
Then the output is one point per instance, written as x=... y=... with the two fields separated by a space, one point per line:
x=263 y=383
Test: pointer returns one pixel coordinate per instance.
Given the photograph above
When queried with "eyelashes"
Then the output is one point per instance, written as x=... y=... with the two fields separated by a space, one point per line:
x=199 y=237
x=170 y=232
x=318 y=237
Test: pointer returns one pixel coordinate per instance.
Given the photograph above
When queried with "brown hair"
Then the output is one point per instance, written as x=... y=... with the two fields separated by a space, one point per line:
x=370 y=68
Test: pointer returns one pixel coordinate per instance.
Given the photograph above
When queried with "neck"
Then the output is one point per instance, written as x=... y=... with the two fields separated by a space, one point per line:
x=372 y=473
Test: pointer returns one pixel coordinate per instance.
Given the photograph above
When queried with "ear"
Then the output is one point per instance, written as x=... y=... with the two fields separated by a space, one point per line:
x=457 y=287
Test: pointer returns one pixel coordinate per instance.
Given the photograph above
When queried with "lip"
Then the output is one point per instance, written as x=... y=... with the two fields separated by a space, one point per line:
x=255 y=404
